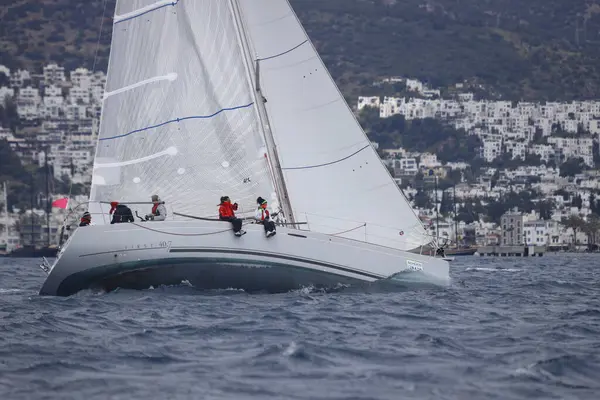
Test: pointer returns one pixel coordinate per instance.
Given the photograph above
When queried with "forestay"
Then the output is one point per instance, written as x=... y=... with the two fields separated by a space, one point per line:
x=335 y=179
x=179 y=118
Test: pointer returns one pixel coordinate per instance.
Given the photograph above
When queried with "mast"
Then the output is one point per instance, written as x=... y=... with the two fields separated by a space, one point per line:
x=6 y=220
x=455 y=215
x=253 y=68
x=31 y=201
x=48 y=208
x=437 y=216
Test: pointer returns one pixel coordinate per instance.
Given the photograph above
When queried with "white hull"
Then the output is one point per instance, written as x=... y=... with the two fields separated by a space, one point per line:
x=209 y=256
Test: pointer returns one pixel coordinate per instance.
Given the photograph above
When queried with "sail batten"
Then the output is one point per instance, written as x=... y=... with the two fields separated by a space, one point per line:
x=329 y=165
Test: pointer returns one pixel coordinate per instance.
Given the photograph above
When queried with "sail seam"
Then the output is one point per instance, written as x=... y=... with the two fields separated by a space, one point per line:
x=122 y=18
x=283 y=53
x=329 y=163
x=177 y=120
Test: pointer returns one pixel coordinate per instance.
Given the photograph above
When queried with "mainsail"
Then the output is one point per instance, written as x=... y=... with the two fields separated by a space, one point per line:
x=179 y=117
x=335 y=179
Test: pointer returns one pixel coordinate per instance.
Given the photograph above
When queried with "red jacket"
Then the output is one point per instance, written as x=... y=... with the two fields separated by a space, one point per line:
x=226 y=210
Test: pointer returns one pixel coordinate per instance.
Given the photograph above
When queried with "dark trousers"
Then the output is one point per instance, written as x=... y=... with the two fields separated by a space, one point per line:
x=236 y=222
x=268 y=225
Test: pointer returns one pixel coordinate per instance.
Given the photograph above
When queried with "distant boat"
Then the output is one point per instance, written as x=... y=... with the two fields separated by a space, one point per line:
x=468 y=251
x=33 y=252
x=185 y=116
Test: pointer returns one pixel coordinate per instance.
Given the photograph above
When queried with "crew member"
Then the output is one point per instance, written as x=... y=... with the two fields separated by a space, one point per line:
x=227 y=213
x=121 y=213
x=159 y=211
x=440 y=252
x=263 y=217
x=86 y=219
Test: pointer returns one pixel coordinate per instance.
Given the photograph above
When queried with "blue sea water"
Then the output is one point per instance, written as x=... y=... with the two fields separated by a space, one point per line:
x=505 y=329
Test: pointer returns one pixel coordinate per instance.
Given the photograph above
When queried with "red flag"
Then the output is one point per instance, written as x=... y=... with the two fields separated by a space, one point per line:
x=61 y=203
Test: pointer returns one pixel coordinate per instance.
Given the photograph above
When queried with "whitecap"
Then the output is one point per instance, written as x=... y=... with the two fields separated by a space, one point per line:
x=10 y=291
x=291 y=349
x=484 y=269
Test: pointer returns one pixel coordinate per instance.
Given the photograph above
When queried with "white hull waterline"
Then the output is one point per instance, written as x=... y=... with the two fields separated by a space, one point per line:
x=209 y=256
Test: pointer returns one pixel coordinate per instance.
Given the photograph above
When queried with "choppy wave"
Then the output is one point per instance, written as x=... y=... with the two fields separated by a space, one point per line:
x=504 y=329
x=498 y=269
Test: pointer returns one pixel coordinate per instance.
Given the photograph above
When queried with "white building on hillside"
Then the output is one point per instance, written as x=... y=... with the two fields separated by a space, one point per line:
x=54 y=75
x=5 y=94
x=82 y=78
x=535 y=233
x=512 y=229
x=363 y=102
x=574 y=148
x=20 y=78
x=492 y=148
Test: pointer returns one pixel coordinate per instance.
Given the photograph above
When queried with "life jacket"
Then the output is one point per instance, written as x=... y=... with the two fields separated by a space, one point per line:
x=264 y=213
x=226 y=210
x=84 y=221
x=155 y=209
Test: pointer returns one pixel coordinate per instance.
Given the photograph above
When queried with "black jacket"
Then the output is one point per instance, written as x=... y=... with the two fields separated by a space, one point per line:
x=122 y=214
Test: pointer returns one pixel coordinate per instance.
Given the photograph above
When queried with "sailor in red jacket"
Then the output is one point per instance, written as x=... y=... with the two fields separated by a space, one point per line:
x=227 y=213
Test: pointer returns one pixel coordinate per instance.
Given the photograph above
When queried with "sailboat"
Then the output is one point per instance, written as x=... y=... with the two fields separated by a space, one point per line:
x=208 y=98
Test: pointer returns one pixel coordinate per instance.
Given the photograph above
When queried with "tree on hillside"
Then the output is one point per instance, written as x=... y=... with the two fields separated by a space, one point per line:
x=574 y=222
x=422 y=135
x=545 y=208
x=577 y=202
x=533 y=159
x=468 y=212
x=368 y=116
x=562 y=192
x=9 y=117
x=454 y=176
x=594 y=205
x=422 y=200
x=446 y=204
x=572 y=167
x=520 y=200
x=591 y=228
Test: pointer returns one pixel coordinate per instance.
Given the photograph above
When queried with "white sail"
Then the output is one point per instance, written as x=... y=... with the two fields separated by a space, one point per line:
x=335 y=179
x=179 y=117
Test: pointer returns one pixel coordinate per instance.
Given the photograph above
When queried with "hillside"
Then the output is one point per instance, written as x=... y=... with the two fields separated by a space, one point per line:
x=533 y=50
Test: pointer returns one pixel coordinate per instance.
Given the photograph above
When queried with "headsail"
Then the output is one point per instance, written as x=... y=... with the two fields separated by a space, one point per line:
x=334 y=177
x=179 y=118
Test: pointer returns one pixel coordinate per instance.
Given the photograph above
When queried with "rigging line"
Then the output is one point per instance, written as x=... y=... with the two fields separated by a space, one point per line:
x=243 y=219
x=93 y=71
x=99 y=37
x=349 y=230
x=410 y=230
x=181 y=234
x=177 y=120
x=329 y=163
x=283 y=53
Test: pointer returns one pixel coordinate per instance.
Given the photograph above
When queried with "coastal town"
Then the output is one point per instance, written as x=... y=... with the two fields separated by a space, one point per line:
x=532 y=182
